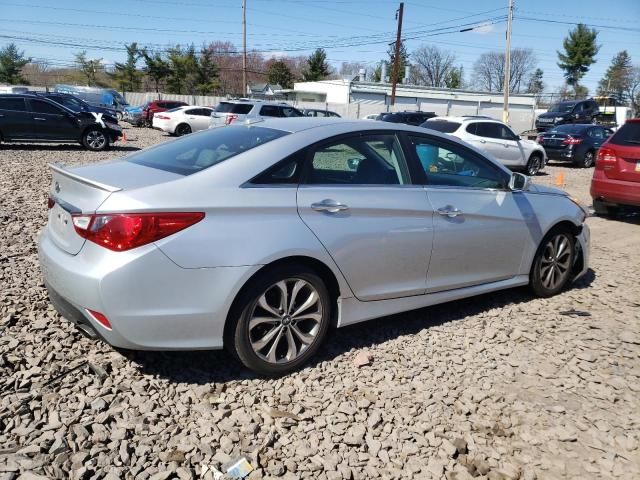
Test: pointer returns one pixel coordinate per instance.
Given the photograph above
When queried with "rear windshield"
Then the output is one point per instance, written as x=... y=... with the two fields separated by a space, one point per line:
x=568 y=129
x=628 y=134
x=441 y=126
x=239 y=108
x=195 y=153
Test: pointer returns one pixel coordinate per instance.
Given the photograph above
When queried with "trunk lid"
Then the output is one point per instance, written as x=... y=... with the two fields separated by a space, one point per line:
x=84 y=189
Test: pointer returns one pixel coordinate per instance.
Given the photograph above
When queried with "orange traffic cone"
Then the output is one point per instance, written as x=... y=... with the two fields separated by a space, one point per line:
x=560 y=179
x=124 y=137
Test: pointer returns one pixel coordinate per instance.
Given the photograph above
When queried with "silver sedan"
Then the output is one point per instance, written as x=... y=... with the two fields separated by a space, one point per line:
x=258 y=237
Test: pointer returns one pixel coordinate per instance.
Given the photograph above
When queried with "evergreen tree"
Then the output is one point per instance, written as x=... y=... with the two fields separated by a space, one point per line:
x=88 y=66
x=536 y=85
x=279 y=73
x=11 y=63
x=318 y=68
x=618 y=77
x=206 y=73
x=156 y=67
x=579 y=54
x=183 y=65
x=404 y=60
x=454 y=78
x=126 y=75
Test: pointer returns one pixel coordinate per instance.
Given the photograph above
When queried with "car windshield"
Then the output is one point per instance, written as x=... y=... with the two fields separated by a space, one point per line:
x=567 y=129
x=441 y=126
x=628 y=134
x=195 y=153
x=561 y=107
x=69 y=102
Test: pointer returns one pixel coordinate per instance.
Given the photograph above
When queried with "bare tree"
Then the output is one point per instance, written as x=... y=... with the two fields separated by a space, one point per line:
x=432 y=66
x=488 y=70
x=633 y=90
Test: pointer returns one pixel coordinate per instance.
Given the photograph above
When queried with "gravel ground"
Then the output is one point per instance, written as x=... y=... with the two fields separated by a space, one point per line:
x=501 y=386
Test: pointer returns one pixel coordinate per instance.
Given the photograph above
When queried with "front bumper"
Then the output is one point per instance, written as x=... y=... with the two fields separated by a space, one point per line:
x=584 y=244
x=151 y=303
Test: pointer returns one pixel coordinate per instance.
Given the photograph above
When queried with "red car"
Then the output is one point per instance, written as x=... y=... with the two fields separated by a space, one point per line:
x=616 y=178
x=158 y=106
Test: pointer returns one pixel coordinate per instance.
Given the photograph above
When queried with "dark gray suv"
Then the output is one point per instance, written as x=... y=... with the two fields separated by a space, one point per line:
x=576 y=111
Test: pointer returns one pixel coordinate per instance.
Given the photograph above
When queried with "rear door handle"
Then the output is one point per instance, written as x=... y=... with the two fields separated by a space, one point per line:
x=40 y=119
x=328 y=205
x=449 y=211
x=482 y=140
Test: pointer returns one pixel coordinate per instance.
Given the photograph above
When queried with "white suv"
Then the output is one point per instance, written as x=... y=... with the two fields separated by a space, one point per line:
x=494 y=137
x=231 y=111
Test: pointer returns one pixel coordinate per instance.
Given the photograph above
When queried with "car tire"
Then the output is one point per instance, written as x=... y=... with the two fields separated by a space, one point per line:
x=603 y=209
x=588 y=159
x=553 y=263
x=95 y=139
x=182 y=129
x=534 y=165
x=272 y=340
x=119 y=116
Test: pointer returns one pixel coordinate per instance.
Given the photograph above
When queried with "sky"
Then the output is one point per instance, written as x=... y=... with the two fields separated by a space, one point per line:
x=349 y=30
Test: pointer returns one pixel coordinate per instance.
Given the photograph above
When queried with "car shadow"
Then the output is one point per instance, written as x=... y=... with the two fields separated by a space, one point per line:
x=628 y=215
x=49 y=147
x=204 y=367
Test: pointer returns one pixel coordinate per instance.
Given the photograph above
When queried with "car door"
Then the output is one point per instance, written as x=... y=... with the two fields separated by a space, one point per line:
x=51 y=122
x=358 y=199
x=15 y=120
x=198 y=118
x=490 y=140
x=513 y=154
x=479 y=225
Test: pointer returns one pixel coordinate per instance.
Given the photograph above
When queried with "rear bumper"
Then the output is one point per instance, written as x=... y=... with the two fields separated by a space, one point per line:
x=620 y=192
x=560 y=154
x=151 y=303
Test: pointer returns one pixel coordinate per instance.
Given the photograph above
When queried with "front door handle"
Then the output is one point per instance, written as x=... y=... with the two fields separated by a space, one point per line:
x=40 y=119
x=329 y=205
x=482 y=140
x=449 y=211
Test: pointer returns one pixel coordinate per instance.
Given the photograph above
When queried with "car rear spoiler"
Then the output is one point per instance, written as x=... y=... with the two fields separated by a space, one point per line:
x=63 y=171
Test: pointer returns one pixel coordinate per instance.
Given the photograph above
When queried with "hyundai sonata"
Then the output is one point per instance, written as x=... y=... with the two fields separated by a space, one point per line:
x=258 y=237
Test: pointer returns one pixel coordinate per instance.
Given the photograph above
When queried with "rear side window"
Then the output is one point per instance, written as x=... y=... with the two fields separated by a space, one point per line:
x=39 y=106
x=195 y=153
x=237 y=108
x=441 y=126
x=271 y=111
x=290 y=112
x=16 y=104
x=628 y=134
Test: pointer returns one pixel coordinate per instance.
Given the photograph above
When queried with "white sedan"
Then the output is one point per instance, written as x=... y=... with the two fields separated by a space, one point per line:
x=183 y=120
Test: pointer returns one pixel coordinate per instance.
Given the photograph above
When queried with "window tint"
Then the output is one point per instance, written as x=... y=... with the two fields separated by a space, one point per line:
x=471 y=128
x=204 y=112
x=441 y=126
x=488 y=129
x=69 y=102
x=290 y=112
x=270 y=111
x=456 y=167
x=628 y=134
x=359 y=160
x=16 y=104
x=39 y=106
x=194 y=153
x=597 y=133
x=237 y=108
x=190 y=111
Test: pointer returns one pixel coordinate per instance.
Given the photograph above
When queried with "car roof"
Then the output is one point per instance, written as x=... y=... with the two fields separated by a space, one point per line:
x=251 y=101
x=468 y=118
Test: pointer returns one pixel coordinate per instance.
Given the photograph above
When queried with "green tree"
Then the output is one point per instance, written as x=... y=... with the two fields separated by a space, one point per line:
x=88 y=66
x=156 y=67
x=206 y=80
x=376 y=75
x=617 y=78
x=404 y=60
x=454 y=78
x=183 y=65
x=317 y=66
x=126 y=75
x=536 y=85
x=279 y=73
x=579 y=54
x=11 y=63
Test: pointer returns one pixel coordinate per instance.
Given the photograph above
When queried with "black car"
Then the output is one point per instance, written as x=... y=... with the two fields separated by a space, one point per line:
x=576 y=111
x=409 y=118
x=32 y=118
x=578 y=143
x=76 y=104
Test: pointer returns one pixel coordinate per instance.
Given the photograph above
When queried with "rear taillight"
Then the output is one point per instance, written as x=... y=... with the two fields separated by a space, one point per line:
x=124 y=231
x=606 y=159
x=230 y=119
x=572 y=141
x=539 y=139
x=162 y=117
x=50 y=202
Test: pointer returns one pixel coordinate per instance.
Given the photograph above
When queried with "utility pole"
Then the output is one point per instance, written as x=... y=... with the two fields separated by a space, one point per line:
x=396 y=60
x=244 y=48
x=507 y=66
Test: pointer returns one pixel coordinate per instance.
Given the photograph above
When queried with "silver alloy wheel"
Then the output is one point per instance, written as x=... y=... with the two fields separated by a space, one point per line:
x=588 y=159
x=555 y=264
x=534 y=165
x=96 y=139
x=285 y=321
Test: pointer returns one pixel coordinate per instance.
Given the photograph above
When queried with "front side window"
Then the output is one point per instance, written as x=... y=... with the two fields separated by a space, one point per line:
x=488 y=130
x=366 y=159
x=39 y=106
x=194 y=153
x=453 y=166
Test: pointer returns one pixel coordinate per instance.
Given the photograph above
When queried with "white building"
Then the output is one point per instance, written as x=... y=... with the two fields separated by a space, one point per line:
x=356 y=99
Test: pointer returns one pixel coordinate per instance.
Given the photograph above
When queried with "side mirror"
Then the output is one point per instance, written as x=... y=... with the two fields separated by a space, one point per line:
x=518 y=182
